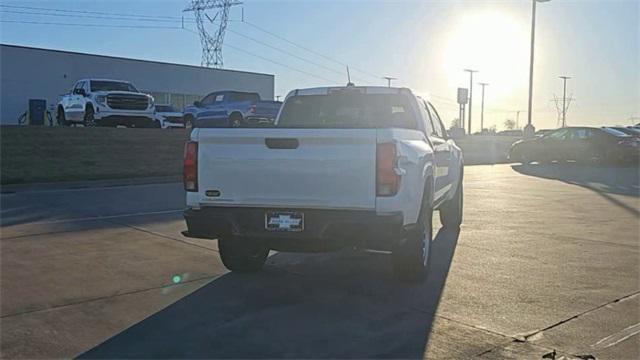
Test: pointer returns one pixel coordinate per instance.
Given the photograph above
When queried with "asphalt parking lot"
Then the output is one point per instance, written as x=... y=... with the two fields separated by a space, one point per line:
x=547 y=259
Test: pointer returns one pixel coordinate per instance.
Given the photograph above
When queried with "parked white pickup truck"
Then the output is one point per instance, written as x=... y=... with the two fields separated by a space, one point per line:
x=104 y=102
x=343 y=167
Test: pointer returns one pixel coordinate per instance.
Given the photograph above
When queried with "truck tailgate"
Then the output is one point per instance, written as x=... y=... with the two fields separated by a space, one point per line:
x=287 y=168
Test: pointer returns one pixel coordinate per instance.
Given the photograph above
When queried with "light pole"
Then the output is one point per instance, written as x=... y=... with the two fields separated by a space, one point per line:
x=530 y=130
x=482 y=107
x=389 y=78
x=564 y=99
x=470 y=95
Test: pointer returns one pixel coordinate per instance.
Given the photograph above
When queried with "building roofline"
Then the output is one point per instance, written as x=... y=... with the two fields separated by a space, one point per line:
x=132 y=59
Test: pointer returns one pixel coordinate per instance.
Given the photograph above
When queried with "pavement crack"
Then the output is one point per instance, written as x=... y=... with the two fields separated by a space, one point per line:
x=475 y=327
x=44 y=233
x=55 y=307
x=527 y=336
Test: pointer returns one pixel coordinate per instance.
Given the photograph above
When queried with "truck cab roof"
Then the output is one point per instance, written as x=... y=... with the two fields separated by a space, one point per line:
x=98 y=79
x=362 y=89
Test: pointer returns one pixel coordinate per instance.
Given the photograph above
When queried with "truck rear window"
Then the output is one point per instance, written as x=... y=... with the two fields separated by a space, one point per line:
x=345 y=110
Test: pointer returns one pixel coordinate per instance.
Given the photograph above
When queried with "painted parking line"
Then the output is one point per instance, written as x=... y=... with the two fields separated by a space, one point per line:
x=618 y=337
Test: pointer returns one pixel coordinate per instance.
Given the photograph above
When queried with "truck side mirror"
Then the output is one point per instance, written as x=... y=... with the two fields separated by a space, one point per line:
x=197 y=103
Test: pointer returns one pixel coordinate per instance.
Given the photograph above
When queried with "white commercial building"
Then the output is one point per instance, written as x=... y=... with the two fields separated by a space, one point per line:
x=33 y=73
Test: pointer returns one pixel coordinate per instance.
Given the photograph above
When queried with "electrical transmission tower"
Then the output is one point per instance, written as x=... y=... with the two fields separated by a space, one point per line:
x=562 y=106
x=211 y=45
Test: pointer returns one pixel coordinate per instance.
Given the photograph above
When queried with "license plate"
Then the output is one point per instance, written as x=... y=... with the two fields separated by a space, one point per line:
x=284 y=221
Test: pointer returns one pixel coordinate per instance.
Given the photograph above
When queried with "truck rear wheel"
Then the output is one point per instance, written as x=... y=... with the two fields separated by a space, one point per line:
x=451 y=210
x=412 y=257
x=242 y=254
x=188 y=121
x=235 y=119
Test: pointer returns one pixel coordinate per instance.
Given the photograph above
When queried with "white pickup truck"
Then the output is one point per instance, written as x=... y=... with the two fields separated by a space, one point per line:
x=342 y=167
x=105 y=102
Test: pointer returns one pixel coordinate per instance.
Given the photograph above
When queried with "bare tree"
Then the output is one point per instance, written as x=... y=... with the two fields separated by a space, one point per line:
x=455 y=123
x=509 y=124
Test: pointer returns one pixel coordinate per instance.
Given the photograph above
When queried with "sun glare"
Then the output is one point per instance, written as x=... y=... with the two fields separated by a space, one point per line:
x=492 y=42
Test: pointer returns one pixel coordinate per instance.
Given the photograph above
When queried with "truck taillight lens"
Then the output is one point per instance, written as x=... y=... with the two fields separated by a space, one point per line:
x=387 y=181
x=190 y=166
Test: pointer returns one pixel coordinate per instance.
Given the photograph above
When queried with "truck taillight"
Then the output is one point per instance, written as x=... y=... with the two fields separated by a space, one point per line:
x=190 y=166
x=387 y=180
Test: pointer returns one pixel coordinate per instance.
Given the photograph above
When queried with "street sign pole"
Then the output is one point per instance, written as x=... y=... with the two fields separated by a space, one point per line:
x=463 y=98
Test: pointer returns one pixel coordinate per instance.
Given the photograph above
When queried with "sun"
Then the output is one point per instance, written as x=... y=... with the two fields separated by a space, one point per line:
x=492 y=42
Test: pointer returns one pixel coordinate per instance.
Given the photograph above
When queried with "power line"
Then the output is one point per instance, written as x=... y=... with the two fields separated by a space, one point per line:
x=154 y=27
x=95 y=16
x=289 y=53
x=270 y=60
x=168 y=19
x=309 y=50
x=91 y=25
x=172 y=28
x=91 y=12
x=278 y=63
x=159 y=18
x=166 y=27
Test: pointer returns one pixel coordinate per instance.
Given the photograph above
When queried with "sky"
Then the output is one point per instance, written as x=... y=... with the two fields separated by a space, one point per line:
x=424 y=44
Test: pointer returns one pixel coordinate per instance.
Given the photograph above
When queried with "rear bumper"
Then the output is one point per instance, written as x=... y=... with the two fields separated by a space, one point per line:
x=259 y=120
x=172 y=125
x=323 y=229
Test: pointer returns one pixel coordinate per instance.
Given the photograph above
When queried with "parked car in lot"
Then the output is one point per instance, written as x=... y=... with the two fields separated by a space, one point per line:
x=167 y=116
x=342 y=167
x=630 y=130
x=515 y=132
x=105 y=102
x=231 y=109
x=583 y=144
x=543 y=132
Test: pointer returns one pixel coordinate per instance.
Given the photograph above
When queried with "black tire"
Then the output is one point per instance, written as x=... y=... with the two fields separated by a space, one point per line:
x=62 y=120
x=451 y=210
x=412 y=256
x=188 y=122
x=156 y=124
x=242 y=254
x=89 y=119
x=236 y=120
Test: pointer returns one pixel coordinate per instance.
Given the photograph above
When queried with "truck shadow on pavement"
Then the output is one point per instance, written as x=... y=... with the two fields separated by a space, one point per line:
x=599 y=179
x=337 y=305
